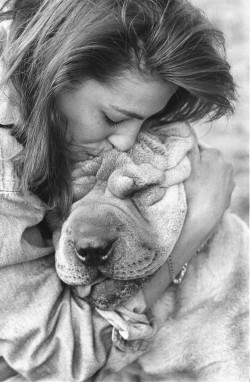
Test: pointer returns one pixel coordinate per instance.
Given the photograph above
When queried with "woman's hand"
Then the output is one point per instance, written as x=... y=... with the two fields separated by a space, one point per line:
x=209 y=187
x=208 y=191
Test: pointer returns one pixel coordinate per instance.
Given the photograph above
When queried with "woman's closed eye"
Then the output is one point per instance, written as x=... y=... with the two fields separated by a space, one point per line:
x=111 y=122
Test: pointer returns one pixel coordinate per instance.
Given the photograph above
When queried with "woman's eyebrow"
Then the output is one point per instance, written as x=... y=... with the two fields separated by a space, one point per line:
x=129 y=113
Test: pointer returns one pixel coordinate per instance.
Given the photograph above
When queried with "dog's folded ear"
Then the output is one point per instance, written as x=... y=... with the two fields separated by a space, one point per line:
x=131 y=178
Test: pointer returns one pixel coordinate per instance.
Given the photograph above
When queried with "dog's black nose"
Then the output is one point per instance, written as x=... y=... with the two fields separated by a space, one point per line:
x=93 y=256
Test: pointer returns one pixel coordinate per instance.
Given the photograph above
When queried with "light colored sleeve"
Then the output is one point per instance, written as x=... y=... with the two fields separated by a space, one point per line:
x=46 y=333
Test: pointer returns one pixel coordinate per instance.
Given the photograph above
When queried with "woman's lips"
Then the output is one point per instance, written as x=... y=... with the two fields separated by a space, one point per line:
x=90 y=149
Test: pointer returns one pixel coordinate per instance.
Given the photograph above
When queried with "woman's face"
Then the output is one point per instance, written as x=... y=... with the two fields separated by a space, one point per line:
x=102 y=116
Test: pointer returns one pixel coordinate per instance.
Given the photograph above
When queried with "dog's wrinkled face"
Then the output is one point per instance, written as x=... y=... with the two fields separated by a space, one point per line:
x=117 y=224
x=111 y=238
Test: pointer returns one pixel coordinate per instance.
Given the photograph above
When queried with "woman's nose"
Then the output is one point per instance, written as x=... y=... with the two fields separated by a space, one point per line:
x=124 y=139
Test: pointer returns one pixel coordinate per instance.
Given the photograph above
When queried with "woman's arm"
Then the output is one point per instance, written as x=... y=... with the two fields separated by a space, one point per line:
x=208 y=191
x=46 y=333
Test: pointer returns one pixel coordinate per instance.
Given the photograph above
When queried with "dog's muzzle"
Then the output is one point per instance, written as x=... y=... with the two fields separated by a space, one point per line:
x=115 y=240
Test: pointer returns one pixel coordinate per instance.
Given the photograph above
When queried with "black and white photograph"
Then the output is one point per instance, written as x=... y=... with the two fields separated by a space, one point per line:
x=124 y=190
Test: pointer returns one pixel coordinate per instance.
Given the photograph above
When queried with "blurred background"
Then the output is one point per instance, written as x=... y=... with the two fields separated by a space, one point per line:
x=231 y=135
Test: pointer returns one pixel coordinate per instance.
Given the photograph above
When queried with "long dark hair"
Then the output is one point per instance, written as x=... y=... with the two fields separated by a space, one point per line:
x=57 y=44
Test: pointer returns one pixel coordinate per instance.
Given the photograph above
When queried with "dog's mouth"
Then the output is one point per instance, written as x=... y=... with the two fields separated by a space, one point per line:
x=112 y=280
x=107 y=294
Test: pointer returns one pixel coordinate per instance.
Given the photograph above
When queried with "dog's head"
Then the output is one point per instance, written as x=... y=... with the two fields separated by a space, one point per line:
x=127 y=214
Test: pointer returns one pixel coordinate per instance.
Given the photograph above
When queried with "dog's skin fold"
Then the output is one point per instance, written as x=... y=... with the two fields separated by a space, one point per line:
x=128 y=213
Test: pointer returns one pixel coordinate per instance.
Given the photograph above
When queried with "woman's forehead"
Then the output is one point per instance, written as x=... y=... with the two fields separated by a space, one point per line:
x=136 y=96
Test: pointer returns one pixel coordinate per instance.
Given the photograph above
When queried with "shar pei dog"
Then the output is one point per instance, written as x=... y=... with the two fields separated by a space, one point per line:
x=128 y=211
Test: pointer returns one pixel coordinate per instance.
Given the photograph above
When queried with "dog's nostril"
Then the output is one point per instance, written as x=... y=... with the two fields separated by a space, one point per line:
x=93 y=256
x=84 y=254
